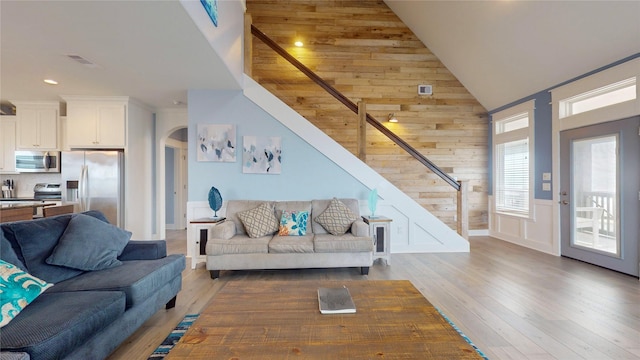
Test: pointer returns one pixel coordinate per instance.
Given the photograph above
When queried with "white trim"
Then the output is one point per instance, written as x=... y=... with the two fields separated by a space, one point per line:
x=530 y=233
x=527 y=107
x=167 y=121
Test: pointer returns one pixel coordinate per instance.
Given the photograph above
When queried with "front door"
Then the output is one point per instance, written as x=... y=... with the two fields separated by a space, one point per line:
x=600 y=194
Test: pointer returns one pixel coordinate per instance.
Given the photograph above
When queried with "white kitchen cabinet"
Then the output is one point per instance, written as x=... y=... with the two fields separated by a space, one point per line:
x=8 y=144
x=37 y=125
x=96 y=124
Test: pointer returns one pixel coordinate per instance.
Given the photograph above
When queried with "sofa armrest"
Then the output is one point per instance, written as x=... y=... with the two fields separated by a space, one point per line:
x=360 y=228
x=224 y=231
x=144 y=250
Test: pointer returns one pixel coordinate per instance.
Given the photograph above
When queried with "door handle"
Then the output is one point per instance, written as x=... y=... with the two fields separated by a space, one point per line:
x=563 y=202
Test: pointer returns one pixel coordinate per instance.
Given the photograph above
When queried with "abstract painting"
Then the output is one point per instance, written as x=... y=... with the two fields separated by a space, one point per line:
x=261 y=155
x=216 y=143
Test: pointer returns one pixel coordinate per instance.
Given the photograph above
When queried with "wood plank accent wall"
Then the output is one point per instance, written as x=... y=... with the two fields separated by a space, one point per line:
x=363 y=50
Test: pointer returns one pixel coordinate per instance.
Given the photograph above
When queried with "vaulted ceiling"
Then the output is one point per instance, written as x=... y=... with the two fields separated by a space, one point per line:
x=152 y=51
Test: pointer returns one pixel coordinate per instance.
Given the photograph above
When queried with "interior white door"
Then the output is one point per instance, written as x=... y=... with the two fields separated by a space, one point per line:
x=600 y=194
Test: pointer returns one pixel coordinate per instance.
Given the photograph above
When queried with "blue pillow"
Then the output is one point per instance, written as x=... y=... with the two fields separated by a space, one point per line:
x=293 y=223
x=8 y=254
x=89 y=244
x=37 y=239
x=18 y=290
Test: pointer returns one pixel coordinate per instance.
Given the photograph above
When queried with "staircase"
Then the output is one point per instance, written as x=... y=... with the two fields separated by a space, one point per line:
x=363 y=50
x=425 y=233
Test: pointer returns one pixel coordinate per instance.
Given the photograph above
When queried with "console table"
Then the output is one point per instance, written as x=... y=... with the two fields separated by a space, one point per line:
x=199 y=235
x=380 y=230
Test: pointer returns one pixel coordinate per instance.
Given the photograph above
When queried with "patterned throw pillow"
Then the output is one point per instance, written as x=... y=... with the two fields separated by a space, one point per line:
x=337 y=218
x=293 y=223
x=17 y=290
x=259 y=221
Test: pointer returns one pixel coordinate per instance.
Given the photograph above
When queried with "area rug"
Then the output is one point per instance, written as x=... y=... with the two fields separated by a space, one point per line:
x=170 y=341
x=463 y=335
x=174 y=337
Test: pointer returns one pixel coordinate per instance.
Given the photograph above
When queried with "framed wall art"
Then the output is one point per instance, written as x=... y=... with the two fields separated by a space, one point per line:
x=216 y=142
x=261 y=155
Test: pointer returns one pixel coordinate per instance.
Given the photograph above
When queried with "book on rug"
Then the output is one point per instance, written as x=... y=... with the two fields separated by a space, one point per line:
x=335 y=301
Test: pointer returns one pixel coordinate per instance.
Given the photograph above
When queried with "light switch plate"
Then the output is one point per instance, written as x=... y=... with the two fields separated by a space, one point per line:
x=546 y=176
x=546 y=186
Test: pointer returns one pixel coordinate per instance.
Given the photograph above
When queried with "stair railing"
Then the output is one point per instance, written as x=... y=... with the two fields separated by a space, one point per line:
x=461 y=188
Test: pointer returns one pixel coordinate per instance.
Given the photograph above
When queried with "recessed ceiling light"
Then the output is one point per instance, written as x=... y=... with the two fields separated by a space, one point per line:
x=298 y=43
x=51 y=81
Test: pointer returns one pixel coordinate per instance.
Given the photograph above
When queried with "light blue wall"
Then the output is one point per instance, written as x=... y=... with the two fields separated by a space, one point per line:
x=542 y=132
x=306 y=173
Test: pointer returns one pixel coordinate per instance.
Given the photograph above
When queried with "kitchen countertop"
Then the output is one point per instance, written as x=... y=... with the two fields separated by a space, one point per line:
x=28 y=199
x=4 y=205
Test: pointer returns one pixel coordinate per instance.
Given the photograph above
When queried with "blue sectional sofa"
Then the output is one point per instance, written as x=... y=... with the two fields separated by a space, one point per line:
x=86 y=314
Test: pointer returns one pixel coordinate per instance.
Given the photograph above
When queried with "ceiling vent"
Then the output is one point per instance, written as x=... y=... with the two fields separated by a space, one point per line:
x=79 y=59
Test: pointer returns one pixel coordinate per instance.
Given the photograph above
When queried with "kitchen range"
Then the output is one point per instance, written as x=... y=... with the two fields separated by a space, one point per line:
x=14 y=208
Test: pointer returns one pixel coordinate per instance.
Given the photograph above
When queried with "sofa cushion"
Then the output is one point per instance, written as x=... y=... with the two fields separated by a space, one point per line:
x=138 y=279
x=56 y=323
x=325 y=243
x=89 y=244
x=8 y=254
x=293 y=223
x=336 y=218
x=37 y=239
x=291 y=244
x=259 y=221
x=239 y=244
x=17 y=290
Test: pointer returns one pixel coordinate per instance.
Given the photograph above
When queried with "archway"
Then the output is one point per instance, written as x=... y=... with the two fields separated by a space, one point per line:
x=168 y=122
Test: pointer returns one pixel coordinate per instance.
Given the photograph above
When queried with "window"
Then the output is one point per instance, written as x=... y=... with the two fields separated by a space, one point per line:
x=513 y=159
x=612 y=94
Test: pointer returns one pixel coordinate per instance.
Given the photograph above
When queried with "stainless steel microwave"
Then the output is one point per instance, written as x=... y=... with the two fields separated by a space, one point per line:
x=38 y=161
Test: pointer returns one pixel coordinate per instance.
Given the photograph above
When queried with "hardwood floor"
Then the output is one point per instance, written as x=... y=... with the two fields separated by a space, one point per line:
x=512 y=302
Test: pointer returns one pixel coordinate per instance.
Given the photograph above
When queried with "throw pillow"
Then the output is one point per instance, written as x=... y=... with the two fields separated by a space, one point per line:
x=89 y=244
x=8 y=253
x=259 y=221
x=37 y=239
x=17 y=290
x=293 y=223
x=336 y=218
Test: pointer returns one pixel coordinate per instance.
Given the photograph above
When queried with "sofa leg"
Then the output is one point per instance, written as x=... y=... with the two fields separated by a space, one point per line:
x=364 y=270
x=172 y=303
x=214 y=274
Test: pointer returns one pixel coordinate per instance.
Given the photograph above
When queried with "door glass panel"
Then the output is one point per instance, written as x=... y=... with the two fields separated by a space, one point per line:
x=594 y=194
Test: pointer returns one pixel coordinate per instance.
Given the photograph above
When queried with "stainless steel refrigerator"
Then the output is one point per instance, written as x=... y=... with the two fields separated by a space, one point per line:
x=94 y=180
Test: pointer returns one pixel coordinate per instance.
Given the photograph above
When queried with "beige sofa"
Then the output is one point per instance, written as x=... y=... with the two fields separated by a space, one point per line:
x=231 y=248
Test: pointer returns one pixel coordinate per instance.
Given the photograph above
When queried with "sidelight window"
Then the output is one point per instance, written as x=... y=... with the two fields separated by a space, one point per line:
x=513 y=159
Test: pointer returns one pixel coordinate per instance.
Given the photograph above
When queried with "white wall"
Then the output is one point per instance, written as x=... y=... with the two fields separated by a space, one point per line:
x=139 y=176
x=227 y=38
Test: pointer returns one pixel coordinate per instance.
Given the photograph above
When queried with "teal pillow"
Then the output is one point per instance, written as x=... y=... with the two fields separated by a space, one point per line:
x=293 y=223
x=89 y=244
x=17 y=290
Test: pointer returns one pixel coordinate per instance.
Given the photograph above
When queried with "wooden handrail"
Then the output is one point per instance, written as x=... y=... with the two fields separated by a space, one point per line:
x=353 y=107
